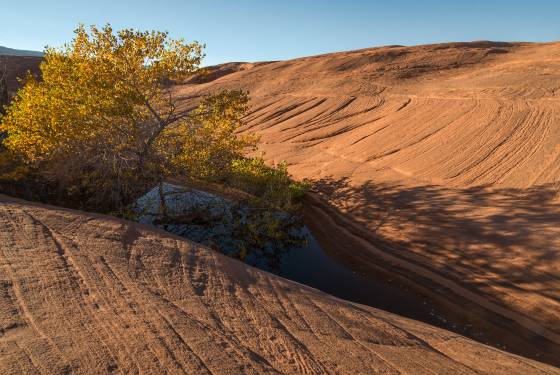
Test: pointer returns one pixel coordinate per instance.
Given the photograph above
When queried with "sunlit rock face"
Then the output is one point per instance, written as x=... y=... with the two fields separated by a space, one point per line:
x=445 y=156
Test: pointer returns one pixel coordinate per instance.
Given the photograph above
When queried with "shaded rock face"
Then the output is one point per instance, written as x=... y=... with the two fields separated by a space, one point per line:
x=4 y=99
x=444 y=156
x=90 y=294
x=16 y=67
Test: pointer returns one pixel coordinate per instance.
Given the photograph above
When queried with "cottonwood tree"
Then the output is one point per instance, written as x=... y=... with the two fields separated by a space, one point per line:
x=104 y=120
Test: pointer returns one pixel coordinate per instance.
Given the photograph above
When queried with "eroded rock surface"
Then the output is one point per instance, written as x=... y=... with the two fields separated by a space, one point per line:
x=446 y=156
x=90 y=294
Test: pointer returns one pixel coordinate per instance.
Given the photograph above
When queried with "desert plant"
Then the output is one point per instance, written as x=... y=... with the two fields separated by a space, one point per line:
x=270 y=183
x=104 y=122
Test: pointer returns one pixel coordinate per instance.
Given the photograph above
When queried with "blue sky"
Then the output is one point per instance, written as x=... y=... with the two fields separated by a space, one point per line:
x=255 y=30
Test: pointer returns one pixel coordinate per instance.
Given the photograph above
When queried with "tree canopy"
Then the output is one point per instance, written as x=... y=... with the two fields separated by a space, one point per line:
x=103 y=121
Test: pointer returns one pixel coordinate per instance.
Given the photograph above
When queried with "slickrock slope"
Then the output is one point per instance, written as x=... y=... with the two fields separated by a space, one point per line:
x=85 y=293
x=444 y=156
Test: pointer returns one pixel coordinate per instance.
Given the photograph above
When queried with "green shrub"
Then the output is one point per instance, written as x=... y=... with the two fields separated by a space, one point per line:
x=272 y=184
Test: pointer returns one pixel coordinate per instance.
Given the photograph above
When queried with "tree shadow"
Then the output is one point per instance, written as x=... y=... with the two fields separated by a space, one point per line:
x=506 y=240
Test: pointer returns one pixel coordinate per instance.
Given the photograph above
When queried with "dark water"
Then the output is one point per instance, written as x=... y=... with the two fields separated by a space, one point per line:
x=313 y=267
x=380 y=288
